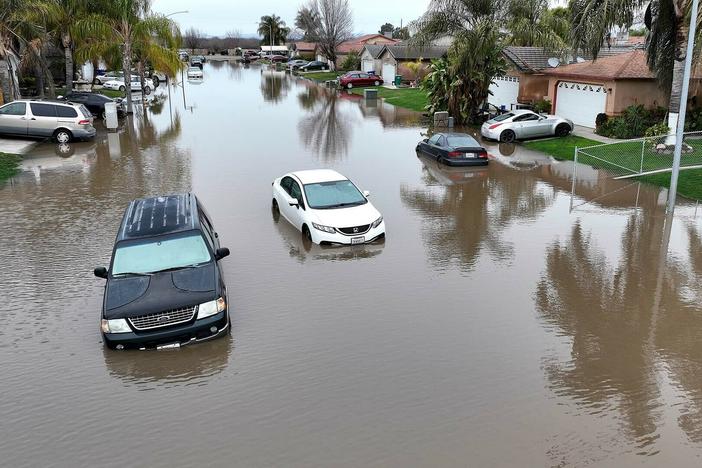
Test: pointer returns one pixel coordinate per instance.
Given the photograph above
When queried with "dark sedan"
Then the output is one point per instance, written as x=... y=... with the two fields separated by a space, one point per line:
x=454 y=149
x=314 y=66
x=93 y=101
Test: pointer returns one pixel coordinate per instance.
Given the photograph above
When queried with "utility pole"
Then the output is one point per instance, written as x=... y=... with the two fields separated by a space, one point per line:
x=683 y=108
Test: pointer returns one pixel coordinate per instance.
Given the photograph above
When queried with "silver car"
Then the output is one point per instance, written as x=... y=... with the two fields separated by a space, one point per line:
x=62 y=121
x=523 y=124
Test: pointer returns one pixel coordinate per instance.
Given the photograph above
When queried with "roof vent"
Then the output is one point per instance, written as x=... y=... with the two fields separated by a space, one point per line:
x=553 y=62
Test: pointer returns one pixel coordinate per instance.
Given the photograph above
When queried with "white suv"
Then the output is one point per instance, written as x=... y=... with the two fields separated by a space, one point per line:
x=62 y=121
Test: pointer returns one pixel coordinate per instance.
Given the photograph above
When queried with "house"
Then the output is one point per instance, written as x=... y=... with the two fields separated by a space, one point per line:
x=306 y=50
x=369 y=58
x=525 y=81
x=357 y=44
x=393 y=60
x=580 y=91
x=274 y=50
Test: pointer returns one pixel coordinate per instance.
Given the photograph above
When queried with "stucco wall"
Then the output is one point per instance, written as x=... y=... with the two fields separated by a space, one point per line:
x=532 y=87
x=627 y=93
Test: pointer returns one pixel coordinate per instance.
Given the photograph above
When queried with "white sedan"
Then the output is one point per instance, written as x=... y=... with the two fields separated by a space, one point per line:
x=118 y=85
x=195 y=73
x=327 y=207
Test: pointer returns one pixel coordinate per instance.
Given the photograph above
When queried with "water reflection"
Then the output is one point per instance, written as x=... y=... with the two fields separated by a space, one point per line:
x=326 y=129
x=460 y=220
x=274 y=85
x=192 y=365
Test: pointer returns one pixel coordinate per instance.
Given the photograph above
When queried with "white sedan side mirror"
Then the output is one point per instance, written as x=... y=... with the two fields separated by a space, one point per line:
x=366 y=193
x=293 y=201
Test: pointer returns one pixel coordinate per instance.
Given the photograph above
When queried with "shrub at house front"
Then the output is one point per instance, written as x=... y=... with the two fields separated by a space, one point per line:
x=352 y=61
x=633 y=122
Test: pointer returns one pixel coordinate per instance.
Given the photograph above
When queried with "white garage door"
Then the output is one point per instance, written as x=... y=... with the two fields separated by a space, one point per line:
x=504 y=90
x=580 y=102
x=367 y=65
x=388 y=73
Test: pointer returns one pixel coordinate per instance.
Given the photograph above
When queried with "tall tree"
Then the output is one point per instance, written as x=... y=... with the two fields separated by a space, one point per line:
x=334 y=25
x=305 y=20
x=386 y=28
x=272 y=26
x=192 y=39
x=666 y=43
x=531 y=23
x=61 y=18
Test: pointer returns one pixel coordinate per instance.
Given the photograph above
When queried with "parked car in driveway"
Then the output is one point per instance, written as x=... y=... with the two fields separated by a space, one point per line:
x=95 y=102
x=296 y=63
x=165 y=287
x=359 y=79
x=314 y=65
x=454 y=149
x=109 y=76
x=118 y=85
x=62 y=121
x=327 y=208
x=523 y=124
x=195 y=73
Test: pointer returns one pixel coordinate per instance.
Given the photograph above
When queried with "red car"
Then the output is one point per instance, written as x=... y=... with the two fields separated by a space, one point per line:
x=359 y=79
x=277 y=58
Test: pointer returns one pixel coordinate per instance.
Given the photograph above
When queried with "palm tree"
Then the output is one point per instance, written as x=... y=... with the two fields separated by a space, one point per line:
x=158 y=47
x=532 y=23
x=121 y=29
x=272 y=25
x=61 y=17
x=666 y=43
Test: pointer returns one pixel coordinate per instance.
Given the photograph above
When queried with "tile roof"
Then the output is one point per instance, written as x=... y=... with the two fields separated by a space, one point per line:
x=301 y=45
x=374 y=49
x=358 y=43
x=404 y=52
x=531 y=59
x=629 y=66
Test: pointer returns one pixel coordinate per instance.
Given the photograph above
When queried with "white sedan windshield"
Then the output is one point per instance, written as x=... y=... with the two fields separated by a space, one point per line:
x=151 y=256
x=337 y=194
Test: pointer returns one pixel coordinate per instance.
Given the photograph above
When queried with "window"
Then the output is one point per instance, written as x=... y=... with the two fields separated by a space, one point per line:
x=153 y=255
x=434 y=140
x=65 y=111
x=16 y=108
x=458 y=141
x=442 y=141
x=503 y=117
x=207 y=229
x=43 y=110
x=286 y=183
x=526 y=118
x=336 y=194
x=364 y=76
x=296 y=193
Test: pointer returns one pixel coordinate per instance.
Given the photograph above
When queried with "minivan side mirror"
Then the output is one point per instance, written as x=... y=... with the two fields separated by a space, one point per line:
x=221 y=253
x=100 y=272
x=366 y=193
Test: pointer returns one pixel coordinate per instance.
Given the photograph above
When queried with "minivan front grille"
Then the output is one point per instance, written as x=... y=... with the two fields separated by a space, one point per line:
x=163 y=319
x=354 y=231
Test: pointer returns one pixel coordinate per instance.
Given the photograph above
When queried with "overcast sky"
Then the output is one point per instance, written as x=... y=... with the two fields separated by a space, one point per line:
x=216 y=17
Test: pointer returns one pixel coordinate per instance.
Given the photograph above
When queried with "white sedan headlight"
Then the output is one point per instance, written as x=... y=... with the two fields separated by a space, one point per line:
x=115 y=326
x=376 y=223
x=211 y=308
x=321 y=227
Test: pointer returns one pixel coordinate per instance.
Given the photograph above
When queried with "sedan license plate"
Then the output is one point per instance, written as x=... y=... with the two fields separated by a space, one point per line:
x=358 y=240
x=469 y=155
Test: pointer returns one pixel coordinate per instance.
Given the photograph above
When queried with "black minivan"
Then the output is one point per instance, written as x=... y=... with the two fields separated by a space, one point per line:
x=165 y=287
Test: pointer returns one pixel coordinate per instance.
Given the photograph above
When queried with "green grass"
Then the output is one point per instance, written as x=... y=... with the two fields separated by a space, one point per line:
x=627 y=154
x=409 y=98
x=9 y=165
x=106 y=92
x=321 y=76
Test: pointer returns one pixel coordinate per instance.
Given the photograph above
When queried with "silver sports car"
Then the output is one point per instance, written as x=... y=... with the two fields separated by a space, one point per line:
x=523 y=124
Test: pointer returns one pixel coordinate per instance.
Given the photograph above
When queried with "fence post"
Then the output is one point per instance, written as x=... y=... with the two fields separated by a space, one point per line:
x=643 y=148
x=575 y=172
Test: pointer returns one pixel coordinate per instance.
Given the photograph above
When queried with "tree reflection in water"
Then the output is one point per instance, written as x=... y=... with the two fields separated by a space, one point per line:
x=459 y=221
x=274 y=85
x=325 y=130
x=625 y=324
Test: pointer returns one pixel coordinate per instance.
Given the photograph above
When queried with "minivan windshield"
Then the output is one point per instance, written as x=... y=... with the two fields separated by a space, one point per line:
x=336 y=194
x=151 y=255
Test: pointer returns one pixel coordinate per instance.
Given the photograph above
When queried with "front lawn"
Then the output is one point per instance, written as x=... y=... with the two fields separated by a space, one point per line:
x=110 y=93
x=410 y=98
x=321 y=76
x=628 y=154
x=9 y=165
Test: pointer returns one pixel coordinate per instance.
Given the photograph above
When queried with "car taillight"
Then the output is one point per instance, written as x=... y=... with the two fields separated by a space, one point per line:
x=494 y=125
x=84 y=122
x=482 y=155
x=454 y=154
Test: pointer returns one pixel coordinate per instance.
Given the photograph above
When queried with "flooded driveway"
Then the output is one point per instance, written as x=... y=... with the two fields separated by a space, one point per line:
x=504 y=322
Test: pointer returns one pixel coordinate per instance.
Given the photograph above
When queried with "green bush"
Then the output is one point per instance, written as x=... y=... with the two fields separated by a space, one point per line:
x=601 y=119
x=352 y=61
x=693 y=120
x=654 y=132
x=542 y=107
x=632 y=123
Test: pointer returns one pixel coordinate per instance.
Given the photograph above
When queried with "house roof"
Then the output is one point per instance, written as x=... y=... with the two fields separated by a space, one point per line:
x=406 y=52
x=374 y=49
x=307 y=46
x=531 y=59
x=359 y=42
x=629 y=66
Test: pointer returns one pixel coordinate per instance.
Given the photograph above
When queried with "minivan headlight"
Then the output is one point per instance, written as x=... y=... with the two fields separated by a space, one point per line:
x=115 y=326
x=376 y=223
x=321 y=227
x=211 y=308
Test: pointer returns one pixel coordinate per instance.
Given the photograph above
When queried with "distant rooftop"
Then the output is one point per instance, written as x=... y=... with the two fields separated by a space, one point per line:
x=629 y=66
x=405 y=51
x=534 y=59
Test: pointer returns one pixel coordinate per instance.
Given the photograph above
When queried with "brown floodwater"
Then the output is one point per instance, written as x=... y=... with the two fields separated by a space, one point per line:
x=506 y=321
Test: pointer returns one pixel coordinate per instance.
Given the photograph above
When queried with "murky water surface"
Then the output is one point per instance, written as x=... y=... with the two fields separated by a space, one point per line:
x=495 y=327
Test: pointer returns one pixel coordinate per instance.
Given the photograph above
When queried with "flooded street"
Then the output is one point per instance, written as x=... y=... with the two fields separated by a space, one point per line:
x=503 y=322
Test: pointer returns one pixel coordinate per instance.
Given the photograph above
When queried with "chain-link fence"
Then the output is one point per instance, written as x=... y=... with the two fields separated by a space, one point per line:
x=631 y=158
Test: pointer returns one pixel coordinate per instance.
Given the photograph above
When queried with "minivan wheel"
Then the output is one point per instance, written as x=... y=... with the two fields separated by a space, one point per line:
x=62 y=135
x=508 y=136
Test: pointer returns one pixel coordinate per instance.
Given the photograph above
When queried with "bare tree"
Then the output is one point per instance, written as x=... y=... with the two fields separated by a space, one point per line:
x=334 y=25
x=233 y=38
x=192 y=39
